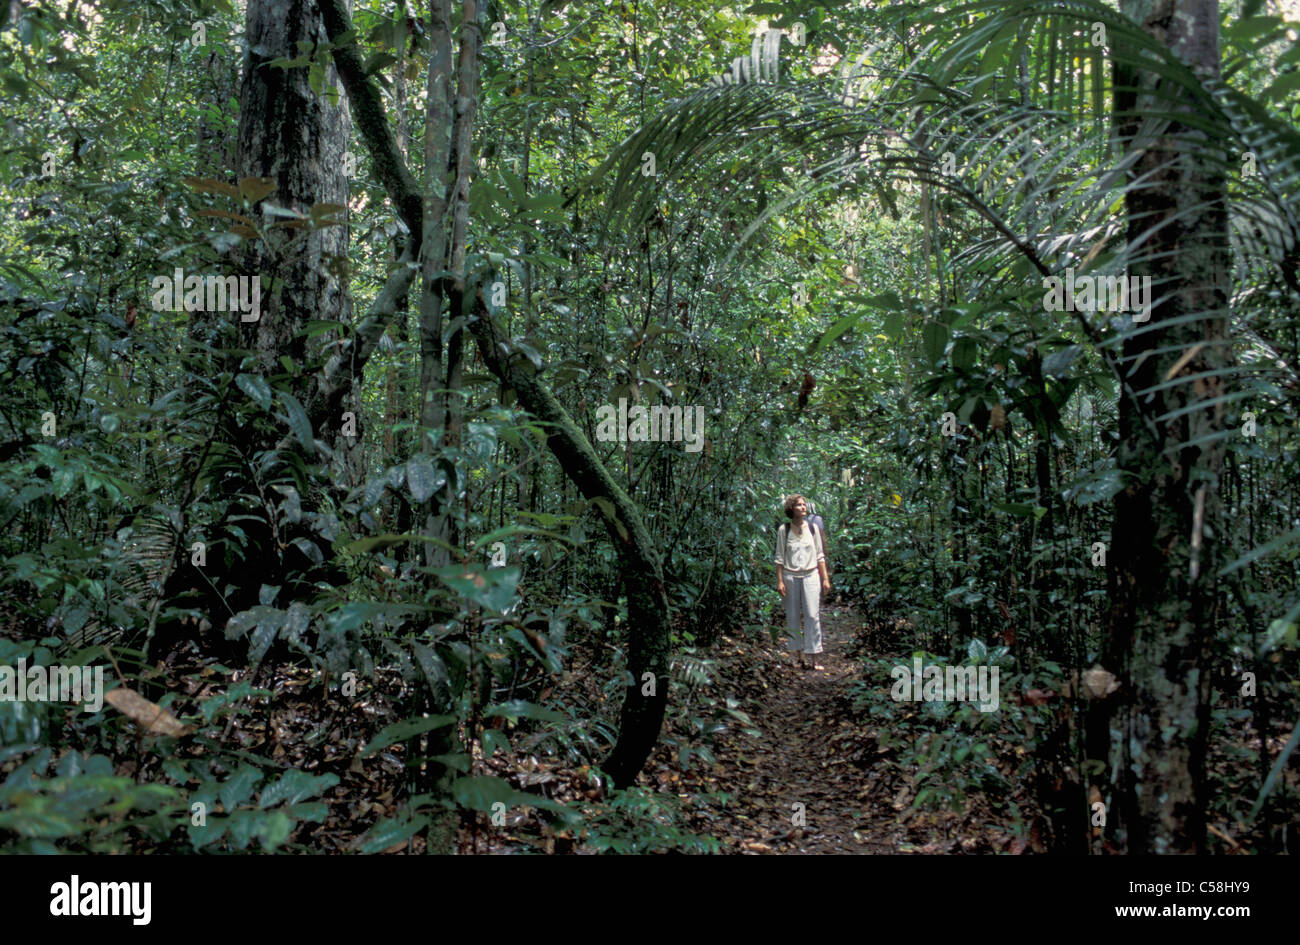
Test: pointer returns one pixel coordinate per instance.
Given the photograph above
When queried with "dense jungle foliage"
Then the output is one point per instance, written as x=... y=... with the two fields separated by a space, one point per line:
x=309 y=311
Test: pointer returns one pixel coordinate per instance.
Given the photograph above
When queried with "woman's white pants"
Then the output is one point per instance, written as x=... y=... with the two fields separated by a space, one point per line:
x=802 y=603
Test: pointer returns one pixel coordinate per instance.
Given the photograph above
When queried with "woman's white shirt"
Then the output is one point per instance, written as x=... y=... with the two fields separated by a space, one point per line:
x=801 y=553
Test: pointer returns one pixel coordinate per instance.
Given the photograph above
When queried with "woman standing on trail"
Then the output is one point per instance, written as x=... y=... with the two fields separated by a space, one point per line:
x=800 y=561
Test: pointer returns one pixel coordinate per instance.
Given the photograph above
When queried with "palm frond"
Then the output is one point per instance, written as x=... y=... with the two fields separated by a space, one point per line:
x=1053 y=167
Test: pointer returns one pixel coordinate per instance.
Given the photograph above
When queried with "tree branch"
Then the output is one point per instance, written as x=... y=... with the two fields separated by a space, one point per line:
x=649 y=625
x=347 y=363
x=372 y=119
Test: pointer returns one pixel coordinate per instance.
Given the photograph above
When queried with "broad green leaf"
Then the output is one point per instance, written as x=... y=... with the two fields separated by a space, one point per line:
x=520 y=709
x=401 y=731
x=273 y=828
x=295 y=786
x=298 y=422
x=481 y=792
x=253 y=189
x=424 y=477
x=256 y=388
x=238 y=788
x=847 y=323
x=964 y=352
x=206 y=185
x=391 y=831
x=493 y=588
x=934 y=339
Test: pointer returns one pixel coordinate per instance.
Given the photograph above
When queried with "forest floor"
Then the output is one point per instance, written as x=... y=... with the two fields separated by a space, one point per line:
x=793 y=737
x=809 y=753
x=815 y=750
x=796 y=765
x=757 y=756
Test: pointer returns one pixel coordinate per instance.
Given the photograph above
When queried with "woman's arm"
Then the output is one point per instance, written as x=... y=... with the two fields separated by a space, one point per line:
x=821 y=561
x=778 y=559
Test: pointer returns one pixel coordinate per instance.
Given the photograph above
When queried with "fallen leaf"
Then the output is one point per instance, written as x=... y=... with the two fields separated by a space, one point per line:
x=1098 y=683
x=154 y=718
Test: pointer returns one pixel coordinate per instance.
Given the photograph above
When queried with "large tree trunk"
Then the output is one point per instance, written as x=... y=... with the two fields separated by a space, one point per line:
x=1165 y=550
x=295 y=137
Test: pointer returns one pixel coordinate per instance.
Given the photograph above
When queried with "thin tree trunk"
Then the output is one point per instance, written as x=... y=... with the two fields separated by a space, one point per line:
x=1165 y=550
x=393 y=408
x=462 y=155
x=648 y=615
x=437 y=155
x=649 y=627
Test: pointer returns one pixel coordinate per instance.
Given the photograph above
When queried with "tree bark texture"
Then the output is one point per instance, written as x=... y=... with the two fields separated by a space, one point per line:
x=1165 y=551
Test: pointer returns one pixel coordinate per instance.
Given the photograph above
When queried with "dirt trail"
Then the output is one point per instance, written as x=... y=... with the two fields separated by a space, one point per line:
x=809 y=754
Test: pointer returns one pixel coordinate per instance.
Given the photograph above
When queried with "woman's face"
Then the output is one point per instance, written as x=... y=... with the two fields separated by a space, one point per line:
x=800 y=509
